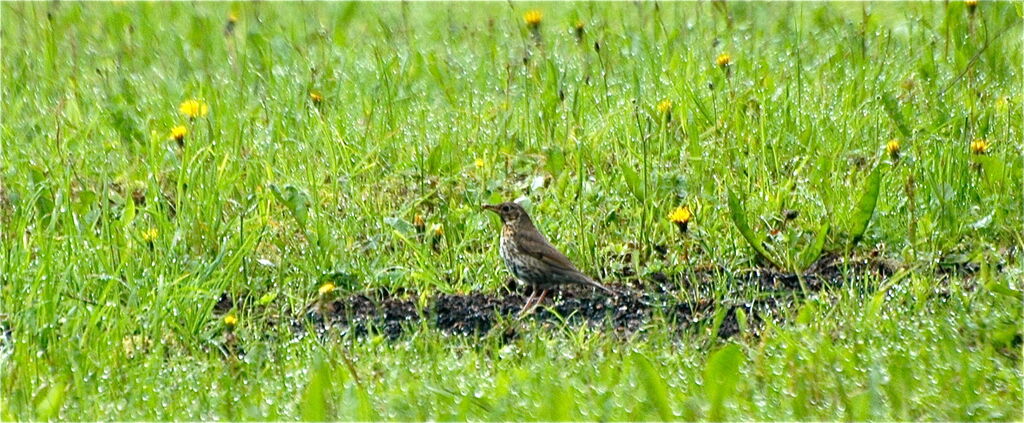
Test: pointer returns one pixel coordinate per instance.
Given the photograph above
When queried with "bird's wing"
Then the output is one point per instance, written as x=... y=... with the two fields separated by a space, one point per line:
x=539 y=247
x=535 y=245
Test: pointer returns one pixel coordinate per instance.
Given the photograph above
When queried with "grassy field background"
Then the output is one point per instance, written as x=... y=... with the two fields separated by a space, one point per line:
x=330 y=127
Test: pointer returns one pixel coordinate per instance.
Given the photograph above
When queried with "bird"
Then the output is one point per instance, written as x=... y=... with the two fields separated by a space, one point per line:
x=531 y=258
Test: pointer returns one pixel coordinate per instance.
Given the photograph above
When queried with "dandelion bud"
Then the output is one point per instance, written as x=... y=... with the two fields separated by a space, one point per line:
x=178 y=134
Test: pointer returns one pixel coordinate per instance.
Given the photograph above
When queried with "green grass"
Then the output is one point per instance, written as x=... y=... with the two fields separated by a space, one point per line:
x=105 y=325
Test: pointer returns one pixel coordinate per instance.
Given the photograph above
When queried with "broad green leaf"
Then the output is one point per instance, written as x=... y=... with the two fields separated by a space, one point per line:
x=49 y=407
x=441 y=157
x=741 y=320
x=876 y=303
x=1005 y=335
x=342 y=280
x=808 y=312
x=403 y=227
x=123 y=122
x=560 y=408
x=633 y=181
x=267 y=298
x=295 y=200
x=866 y=205
x=364 y=406
x=657 y=392
x=495 y=198
x=739 y=218
x=992 y=167
x=813 y=252
x=893 y=110
x=315 y=398
x=721 y=372
x=85 y=201
x=997 y=285
x=128 y=214
x=556 y=161
x=716 y=322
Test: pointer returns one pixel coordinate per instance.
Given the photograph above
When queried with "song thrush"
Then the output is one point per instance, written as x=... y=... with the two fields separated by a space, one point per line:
x=531 y=258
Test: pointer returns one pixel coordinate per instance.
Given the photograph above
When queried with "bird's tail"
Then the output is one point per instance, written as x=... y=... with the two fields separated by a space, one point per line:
x=586 y=279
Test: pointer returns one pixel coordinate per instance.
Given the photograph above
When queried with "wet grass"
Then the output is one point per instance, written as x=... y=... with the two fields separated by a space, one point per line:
x=352 y=144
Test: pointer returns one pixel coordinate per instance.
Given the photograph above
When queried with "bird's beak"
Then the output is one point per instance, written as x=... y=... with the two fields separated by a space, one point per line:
x=491 y=207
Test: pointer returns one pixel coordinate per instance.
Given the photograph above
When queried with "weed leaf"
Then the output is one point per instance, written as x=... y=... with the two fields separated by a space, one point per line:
x=721 y=372
x=866 y=205
x=892 y=109
x=655 y=386
x=315 y=398
x=739 y=218
x=296 y=201
x=49 y=407
x=813 y=252
x=632 y=181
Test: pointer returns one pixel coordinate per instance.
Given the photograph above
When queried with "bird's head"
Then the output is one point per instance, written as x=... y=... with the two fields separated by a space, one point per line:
x=510 y=212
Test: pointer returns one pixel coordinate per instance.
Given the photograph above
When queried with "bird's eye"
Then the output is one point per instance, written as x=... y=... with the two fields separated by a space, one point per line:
x=506 y=208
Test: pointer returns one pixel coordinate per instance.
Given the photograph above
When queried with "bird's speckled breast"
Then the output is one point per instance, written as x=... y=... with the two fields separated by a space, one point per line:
x=508 y=246
x=513 y=260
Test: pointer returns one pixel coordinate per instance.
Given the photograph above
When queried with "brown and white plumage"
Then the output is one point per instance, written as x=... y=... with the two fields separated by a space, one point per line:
x=529 y=255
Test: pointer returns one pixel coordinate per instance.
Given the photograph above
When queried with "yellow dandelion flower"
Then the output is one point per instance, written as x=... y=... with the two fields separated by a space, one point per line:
x=971 y=5
x=316 y=97
x=437 y=230
x=232 y=17
x=178 y=133
x=681 y=214
x=665 y=106
x=326 y=288
x=579 y=25
x=723 y=60
x=230 y=320
x=532 y=18
x=681 y=217
x=150 y=235
x=479 y=163
x=979 y=146
x=418 y=222
x=193 y=108
x=892 y=148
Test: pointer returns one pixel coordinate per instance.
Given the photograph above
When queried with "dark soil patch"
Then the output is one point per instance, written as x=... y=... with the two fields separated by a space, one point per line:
x=359 y=314
x=636 y=304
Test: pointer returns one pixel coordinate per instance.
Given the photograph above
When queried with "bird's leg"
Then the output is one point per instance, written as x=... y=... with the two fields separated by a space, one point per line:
x=537 y=302
x=526 y=305
x=543 y=294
